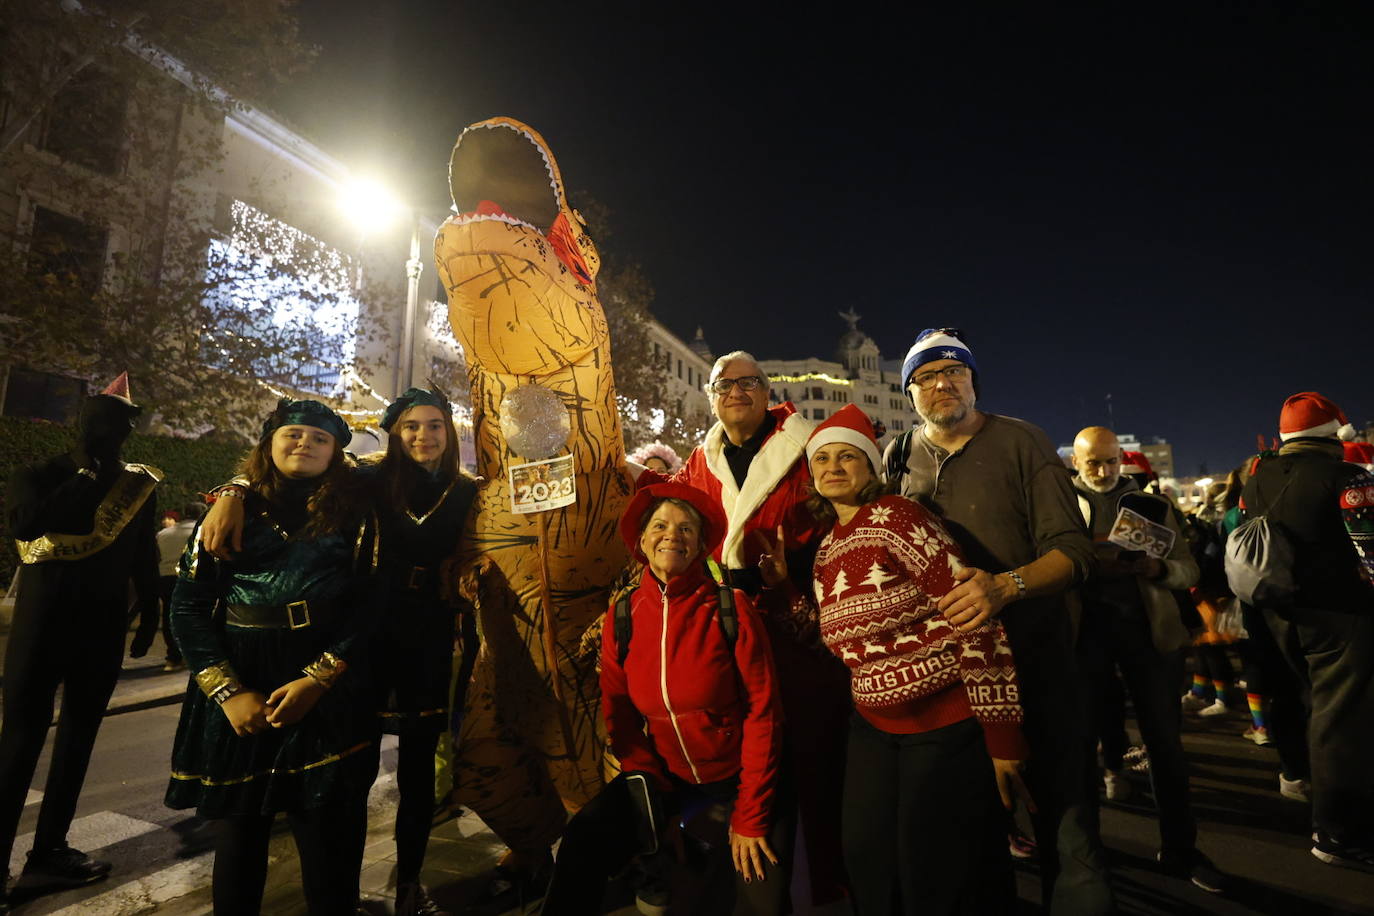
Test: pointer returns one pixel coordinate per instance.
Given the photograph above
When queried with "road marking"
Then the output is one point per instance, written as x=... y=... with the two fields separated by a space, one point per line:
x=144 y=894
x=95 y=831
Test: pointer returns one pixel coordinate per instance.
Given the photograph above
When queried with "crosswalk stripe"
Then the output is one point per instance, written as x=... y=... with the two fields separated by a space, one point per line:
x=95 y=831
x=145 y=894
x=33 y=798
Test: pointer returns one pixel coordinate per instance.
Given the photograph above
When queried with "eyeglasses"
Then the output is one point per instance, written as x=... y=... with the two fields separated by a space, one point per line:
x=926 y=380
x=745 y=383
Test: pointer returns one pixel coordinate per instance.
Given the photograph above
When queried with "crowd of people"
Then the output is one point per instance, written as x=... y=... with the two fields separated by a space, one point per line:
x=835 y=670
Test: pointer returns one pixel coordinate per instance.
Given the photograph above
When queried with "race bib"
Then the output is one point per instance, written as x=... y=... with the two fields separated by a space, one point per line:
x=542 y=485
x=1133 y=531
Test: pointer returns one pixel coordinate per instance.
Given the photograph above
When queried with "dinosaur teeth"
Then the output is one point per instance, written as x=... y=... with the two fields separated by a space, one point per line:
x=460 y=220
x=543 y=154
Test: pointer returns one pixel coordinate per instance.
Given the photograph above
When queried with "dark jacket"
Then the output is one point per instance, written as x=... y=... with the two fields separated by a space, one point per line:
x=1326 y=567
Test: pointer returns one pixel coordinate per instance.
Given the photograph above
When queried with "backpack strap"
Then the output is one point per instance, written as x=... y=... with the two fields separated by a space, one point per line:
x=898 y=456
x=624 y=625
x=729 y=619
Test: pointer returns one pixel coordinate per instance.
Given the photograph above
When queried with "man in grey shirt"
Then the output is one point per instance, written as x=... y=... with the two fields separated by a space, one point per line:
x=1005 y=496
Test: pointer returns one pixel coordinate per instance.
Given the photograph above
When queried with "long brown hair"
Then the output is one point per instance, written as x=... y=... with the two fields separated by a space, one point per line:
x=400 y=471
x=332 y=504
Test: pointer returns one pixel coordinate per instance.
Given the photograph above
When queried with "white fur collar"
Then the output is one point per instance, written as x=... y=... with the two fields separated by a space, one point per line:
x=779 y=452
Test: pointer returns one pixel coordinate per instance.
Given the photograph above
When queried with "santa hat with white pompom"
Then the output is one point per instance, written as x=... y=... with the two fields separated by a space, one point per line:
x=1308 y=415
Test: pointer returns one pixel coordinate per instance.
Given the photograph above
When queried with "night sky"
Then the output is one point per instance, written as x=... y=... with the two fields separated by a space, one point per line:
x=1173 y=208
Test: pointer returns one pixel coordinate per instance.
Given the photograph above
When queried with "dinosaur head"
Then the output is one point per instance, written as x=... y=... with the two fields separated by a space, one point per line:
x=519 y=267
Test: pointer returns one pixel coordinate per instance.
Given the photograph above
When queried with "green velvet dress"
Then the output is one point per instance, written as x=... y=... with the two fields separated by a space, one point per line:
x=331 y=753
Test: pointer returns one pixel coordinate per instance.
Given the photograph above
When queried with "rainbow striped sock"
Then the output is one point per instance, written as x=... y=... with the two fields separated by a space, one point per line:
x=1256 y=709
x=1220 y=688
x=1199 y=685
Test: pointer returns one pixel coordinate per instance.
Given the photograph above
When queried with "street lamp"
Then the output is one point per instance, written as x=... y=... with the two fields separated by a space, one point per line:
x=371 y=206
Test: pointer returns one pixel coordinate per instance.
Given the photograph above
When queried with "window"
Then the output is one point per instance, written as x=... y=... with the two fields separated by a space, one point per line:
x=68 y=249
x=817 y=394
x=85 y=122
x=43 y=395
x=818 y=413
x=679 y=368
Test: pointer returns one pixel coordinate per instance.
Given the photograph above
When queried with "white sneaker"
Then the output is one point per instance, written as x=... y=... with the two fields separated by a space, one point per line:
x=1258 y=735
x=1295 y=789
x=1118 y=787
x=1191 y=702
x=1217 y=708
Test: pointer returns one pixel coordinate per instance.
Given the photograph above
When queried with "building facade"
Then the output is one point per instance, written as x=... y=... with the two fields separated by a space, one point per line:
x=858 y=375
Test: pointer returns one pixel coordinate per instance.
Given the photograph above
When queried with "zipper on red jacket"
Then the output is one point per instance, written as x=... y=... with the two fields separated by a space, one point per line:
x=663 y=684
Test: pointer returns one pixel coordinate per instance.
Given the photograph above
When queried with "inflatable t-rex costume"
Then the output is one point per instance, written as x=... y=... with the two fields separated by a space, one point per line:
x=520 y=274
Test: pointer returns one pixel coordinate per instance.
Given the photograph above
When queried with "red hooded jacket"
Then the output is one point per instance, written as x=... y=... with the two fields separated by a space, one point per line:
x=682 y=705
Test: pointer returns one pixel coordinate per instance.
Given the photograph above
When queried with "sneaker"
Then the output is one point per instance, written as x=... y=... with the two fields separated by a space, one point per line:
x=414 y=900
x=1258 y=735
x=1019 y=845
x=169 y=666
x=65 y=866
x=1332 y=853
x=1118 y=786
x=1296 y=789
x=652 y=900
x=1192 y=702
x=1197 y=868
x=1217 y=708
x=1135 y=753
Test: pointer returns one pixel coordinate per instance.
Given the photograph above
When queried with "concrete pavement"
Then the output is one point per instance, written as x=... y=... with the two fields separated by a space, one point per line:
x=1245 y=826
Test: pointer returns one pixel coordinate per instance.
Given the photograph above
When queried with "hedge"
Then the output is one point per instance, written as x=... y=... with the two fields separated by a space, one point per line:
x=189 y=467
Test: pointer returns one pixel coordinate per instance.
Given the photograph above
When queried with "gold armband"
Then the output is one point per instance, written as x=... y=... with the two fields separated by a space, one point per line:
x=326 y=669
x=219 y=682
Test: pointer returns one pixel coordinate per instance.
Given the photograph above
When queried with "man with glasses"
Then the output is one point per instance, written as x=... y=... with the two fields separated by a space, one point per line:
x=753 y=462
x=1001 y=490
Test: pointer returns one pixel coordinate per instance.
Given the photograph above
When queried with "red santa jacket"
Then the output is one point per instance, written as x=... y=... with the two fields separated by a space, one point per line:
x=774 y=492
x=682 y=704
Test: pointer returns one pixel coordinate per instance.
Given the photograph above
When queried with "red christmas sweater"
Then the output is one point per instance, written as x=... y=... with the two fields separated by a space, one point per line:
x=877 y=580
x=683 y=704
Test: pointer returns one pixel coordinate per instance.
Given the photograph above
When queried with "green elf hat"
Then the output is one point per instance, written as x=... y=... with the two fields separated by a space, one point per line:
x=307 y=413
x=416 y=397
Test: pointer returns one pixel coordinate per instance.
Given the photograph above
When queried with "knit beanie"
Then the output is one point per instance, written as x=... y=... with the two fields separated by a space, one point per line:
x=851 y=426
x=937 y=343
x=1308 y=415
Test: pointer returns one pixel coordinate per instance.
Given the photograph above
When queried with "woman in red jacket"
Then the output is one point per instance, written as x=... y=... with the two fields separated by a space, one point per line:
x=692 y=712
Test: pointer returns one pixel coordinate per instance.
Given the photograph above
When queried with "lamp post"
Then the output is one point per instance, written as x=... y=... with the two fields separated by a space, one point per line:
x=371 y=207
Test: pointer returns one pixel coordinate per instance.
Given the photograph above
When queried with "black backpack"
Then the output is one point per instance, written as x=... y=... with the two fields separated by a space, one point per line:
x=729 y=620
x=899 y=452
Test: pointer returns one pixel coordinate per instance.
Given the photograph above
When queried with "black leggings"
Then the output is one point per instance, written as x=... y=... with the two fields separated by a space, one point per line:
x=329 y=842
x=924 y=828
x=415 y=814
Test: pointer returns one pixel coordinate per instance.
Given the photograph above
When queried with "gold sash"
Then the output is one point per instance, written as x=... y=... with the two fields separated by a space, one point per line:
x=119 y=507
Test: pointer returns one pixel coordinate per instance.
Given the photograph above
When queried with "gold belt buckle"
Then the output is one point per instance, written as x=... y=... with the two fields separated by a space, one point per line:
x=304 y=608
x=416 y=572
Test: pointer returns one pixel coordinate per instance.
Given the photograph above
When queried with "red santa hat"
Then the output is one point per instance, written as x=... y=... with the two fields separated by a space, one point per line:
x=119 y=388
x=850 y=425
x=1308 y=415
x=1135 y=463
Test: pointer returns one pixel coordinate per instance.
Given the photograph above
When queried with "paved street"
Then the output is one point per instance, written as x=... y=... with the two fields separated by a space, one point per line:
x=162 y=863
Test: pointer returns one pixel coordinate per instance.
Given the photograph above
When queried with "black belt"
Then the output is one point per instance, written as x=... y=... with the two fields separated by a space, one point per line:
x=296 y=615
x=418 y=579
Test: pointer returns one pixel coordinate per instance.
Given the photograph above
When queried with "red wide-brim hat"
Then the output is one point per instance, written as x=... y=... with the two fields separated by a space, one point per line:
x=711 y=514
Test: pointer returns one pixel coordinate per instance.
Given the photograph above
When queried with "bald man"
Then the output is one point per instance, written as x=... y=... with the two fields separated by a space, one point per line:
x=1131 y=621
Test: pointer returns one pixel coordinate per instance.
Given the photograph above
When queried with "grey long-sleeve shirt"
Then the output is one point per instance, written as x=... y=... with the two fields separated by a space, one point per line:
x=1004 y=496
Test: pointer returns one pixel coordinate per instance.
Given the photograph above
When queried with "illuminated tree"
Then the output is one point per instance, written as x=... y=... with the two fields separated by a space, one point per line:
x=125 y=255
